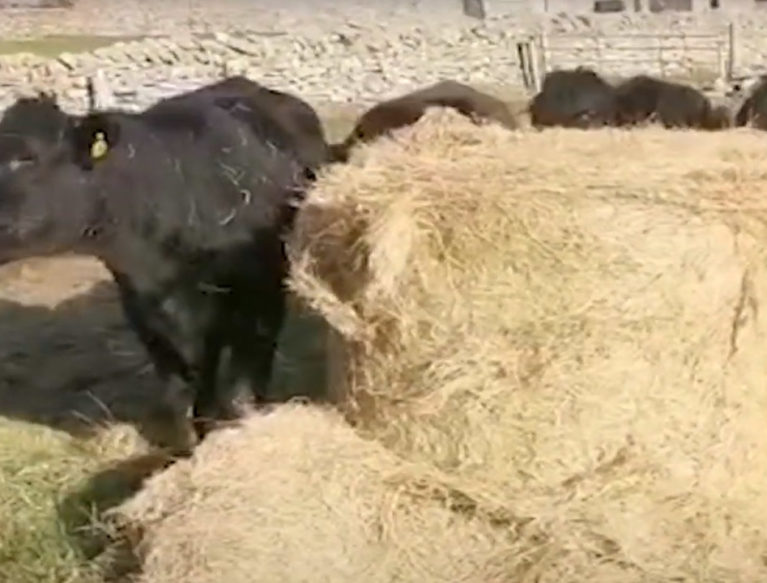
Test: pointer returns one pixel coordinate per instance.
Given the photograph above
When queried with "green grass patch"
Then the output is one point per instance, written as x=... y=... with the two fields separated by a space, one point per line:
x=40 y=471
x=54 y=45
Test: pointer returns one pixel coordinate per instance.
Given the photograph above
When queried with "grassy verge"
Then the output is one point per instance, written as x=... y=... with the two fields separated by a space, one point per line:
x=54 y=45
x=40 y=470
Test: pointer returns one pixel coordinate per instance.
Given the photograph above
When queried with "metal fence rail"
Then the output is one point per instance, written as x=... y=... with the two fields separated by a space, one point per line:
x=635 y=52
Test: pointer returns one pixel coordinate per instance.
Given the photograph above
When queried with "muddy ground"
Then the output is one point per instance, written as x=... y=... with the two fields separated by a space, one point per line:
x=68 y=360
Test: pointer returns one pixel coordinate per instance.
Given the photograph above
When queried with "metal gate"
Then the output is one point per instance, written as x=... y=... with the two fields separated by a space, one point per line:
x=667 y=54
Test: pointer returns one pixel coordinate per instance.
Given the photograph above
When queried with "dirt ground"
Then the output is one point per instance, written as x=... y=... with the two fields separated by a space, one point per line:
x=68 y=360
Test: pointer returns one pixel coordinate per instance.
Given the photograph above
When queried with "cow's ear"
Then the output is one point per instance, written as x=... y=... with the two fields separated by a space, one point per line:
x=93 y=138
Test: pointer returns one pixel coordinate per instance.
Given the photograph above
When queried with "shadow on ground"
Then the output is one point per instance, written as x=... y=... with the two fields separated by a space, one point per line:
x=76 y=366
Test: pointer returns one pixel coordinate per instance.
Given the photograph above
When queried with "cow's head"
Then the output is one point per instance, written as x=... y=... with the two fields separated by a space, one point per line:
x=47 y=159
x=381 y=119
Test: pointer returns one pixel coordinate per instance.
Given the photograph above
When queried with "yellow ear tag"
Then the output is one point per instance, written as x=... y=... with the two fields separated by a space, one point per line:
x=99 y=147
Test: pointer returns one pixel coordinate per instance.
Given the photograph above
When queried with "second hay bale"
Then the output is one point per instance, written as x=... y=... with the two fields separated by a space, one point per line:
x=297 y=497
x=568 y=324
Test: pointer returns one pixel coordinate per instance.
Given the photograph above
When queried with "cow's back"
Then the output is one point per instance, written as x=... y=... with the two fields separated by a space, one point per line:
x=184 y=175
x=673 y=104
x=386 y=116
x=284 y=119
x=407 y=109
x=301 y=122
x=467 y=100
x=637 y=98
x=683 y=106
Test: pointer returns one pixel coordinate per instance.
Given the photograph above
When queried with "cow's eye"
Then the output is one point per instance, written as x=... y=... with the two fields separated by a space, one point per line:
x=17 y=163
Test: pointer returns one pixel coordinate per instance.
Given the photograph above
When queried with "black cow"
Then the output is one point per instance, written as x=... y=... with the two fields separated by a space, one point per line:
x=643 y=99
x=186 y=204
x=283 y=116
x=576 y=98
x=407 y=109
x=753 y=111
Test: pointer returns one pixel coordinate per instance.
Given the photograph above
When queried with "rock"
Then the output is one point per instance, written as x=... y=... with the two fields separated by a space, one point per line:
x=234 y=67
x=69 y=60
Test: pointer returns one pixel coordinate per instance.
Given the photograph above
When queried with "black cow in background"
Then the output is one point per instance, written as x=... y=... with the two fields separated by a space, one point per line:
x=186 y=204
x=407 y=109
x=643 y=99
x=575 y=98
x=753 y=111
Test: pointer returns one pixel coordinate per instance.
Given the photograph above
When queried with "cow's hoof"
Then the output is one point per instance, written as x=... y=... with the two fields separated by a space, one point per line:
x=204 y=426
x=169 y=431
x=229 y=415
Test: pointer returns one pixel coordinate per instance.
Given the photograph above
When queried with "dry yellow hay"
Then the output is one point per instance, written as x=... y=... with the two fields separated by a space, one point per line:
x=569 y=326
x=297 y=497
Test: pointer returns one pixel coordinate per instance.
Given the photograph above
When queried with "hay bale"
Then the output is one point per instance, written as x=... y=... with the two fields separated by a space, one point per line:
x=568 y=325
x=297 y=496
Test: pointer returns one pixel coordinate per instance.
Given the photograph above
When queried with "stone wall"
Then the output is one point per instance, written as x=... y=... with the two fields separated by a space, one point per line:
x=350 y=65
x=364 y=59
x=170 y=17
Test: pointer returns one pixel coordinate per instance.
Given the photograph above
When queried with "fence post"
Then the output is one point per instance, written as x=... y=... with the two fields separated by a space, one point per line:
x=724 y=65
x=600 y=53
x=544 y=60
x=661 y=67
x=523 y=56
x=731 y=51
x=100 y=94
x=535 y=66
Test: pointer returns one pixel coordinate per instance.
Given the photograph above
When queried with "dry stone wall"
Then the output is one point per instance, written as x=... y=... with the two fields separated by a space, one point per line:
x=352 y=64
x=365 y=59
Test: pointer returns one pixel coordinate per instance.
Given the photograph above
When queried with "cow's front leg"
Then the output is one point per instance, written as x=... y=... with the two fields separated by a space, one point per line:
x=206 y=410
x=252 y=357
x=168 y=424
